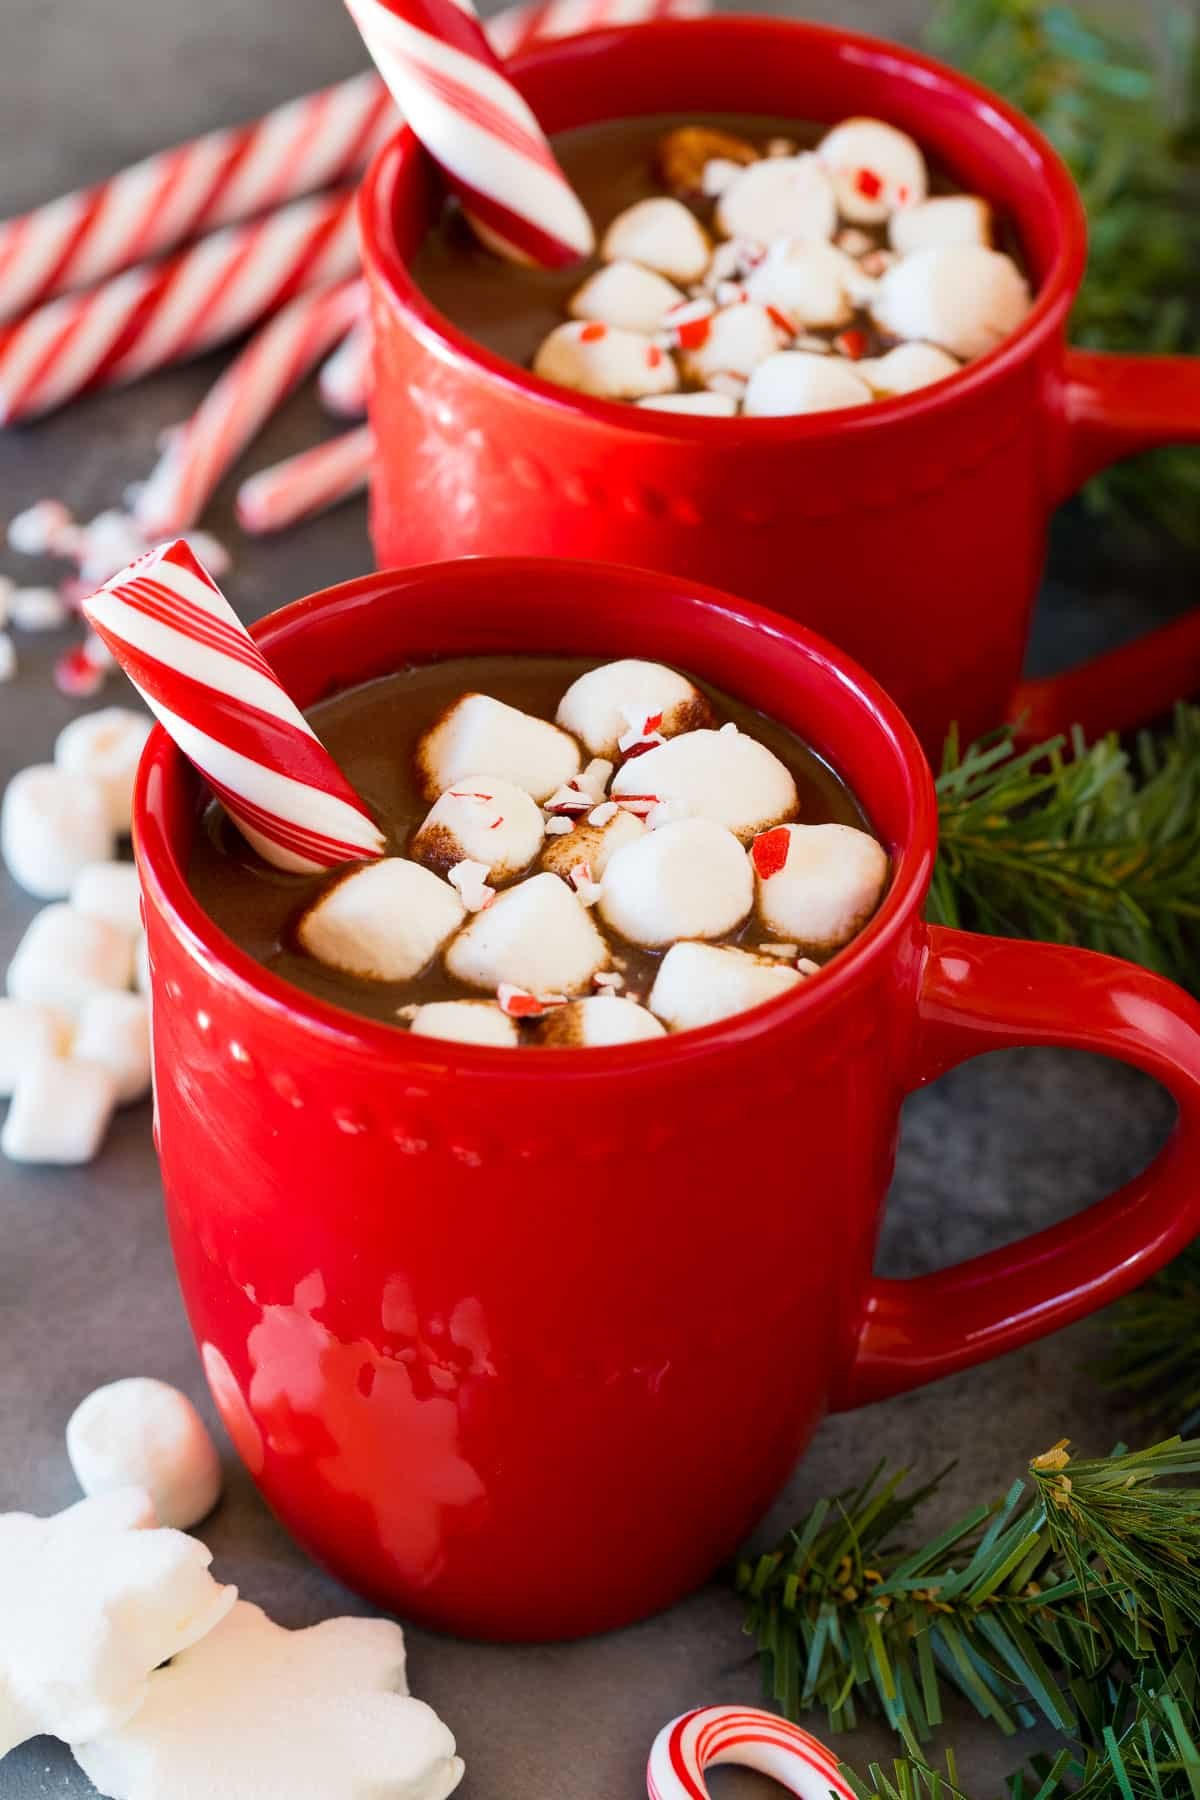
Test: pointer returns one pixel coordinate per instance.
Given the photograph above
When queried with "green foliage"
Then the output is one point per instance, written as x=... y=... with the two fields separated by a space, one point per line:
x=1156 y=1343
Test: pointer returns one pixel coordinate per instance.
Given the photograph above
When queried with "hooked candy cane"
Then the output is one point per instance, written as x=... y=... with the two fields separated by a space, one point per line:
x=749 y=1737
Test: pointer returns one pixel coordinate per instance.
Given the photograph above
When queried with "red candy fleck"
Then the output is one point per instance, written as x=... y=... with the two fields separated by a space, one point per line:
x=496 y=823
x=652 y=723
x=77 y=675
x=653 y=356
x=519 y=1003
x=769 y=852
x=591 y=334
x=693 y=333
x=781 y=321
x=868 y=184
x=852 y=344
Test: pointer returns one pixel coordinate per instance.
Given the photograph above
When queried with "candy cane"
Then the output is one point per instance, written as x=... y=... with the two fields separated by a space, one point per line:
x=196 y=666
x=753 y=1739
x=307 y=484
x=346 y=375
x=158 y=313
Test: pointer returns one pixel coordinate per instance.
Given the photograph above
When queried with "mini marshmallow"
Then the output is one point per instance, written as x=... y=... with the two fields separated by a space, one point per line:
x=144 y=1433
x=114 y=1031
x=465 y=1022
x=963 y=297
x=536 y=935
x=592 y=844
x=785 y=197
x=7 y=590
x=59 y=1112
x=875 y=169
x=606 y=362
x=689 y=879
x=721 y=775
x=817 y=884
x=481 y=820
x=141 y=964
x=28 y=1032
x=109 y=891
x=477 y=732
x=809 y=284
x=905 y=369
x=738 y=338
x=383 y=921
x=64 y=958
x=37 y=609
x=106 y=746
x=797 y=381
x=598 y=705
x=323 y=1711
x=662 y=235
x=8 y=657
x=92 y=1601
x=52 y=824
x=714 y=406
x=595 y=1022
x=697 y=984
x=946 y=219
x=626 y=295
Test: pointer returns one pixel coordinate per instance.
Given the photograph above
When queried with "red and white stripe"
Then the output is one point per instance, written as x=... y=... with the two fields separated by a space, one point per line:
x=345 y=377
x=749 y=1737
x=519 y=28
x=196 y=666
x=240 y=402
x=449 y=85
x=307 y=484
x=159 y=313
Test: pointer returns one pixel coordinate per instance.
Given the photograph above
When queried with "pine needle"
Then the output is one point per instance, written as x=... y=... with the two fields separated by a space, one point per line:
x=1155 y=1355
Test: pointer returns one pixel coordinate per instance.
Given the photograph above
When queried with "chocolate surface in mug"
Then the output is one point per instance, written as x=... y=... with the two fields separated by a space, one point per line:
x=372 y=732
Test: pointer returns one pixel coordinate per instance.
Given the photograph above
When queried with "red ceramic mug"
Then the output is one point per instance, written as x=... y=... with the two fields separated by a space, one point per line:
x=911 y=533
x=521 y=1343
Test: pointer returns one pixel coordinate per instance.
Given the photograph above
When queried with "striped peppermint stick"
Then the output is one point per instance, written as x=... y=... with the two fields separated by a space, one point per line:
x=307 y=484
x=519 y=28
x=346 y=376
x=159 y=313
x=196 y=666
x=749 y=1737
x=237 y=406
x=435 y=58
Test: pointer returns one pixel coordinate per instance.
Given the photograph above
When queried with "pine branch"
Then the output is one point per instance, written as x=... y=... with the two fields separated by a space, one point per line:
x=1156 y=1349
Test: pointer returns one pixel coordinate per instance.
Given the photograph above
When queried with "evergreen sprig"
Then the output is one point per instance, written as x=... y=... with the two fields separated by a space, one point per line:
x=1156 y=1343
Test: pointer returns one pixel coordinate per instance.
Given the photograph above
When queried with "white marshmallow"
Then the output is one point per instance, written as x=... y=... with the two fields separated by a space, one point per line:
x=478 y=732
x=481 y=820
x=141 y=964
x=28 y=1032
x=465 y=1022
x=598 y=705
x=536 y=936
x=717 y=174
x=110 y=891
x=875 y=169
x=605 y=362
x=144 y=1433
x=594 y=845
x=626 y=295
x=946 y=219
x=707 y=405
x=739 y=338
x=36 y=609
x=688 y=880
x=59 y=1112
x=114 y=1031
x=905 y=369
x=818 y=884
x=599 y=1020
x=809 y=284
x=963 y=297
x=724 y=776
x=785 y=197
x=698 y=984
x=8 y=657
x=798 y=381
x=7 y=590
x=64 y=958
x=107 y=746
x=662 y=235
x=52 y=824
x=383 y=921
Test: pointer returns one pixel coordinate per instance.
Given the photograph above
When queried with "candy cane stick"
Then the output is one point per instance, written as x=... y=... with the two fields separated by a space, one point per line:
x=346 y=375
x=753 y=1739
x=161 y=312
x=200 y=672
x=244 y=397
x=307 y=484
x=451 y=88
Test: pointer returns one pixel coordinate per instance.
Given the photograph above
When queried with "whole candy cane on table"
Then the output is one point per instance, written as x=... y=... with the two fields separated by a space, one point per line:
x=306 y=484
x=240 y=402
x=199 y=671
x=749 y=1737
x=345 y=376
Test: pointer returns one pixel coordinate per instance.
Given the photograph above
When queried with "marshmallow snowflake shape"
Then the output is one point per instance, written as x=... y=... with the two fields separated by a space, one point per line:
x=324 y=1711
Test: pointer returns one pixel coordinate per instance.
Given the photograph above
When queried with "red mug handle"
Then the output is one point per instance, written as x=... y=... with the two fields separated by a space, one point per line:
x=1111 y=406
x=979 y=994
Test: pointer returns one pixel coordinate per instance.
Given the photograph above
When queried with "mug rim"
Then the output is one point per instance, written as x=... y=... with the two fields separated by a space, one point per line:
x=162 y=861
x=387 y=269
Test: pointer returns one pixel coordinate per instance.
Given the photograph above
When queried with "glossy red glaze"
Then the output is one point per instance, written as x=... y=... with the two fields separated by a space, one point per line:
x=521 y=1343
x=912 y=534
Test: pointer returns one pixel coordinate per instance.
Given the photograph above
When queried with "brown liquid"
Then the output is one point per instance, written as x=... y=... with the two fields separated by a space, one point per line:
x=372 y=732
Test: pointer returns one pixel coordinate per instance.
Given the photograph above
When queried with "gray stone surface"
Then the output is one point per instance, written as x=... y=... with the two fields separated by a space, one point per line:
x=86 y=1288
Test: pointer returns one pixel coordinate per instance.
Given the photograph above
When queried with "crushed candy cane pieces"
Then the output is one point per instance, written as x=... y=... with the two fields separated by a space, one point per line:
x=471 y=881
x=519 y=1003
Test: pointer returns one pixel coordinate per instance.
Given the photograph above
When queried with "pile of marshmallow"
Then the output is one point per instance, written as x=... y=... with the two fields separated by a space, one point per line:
x=116 y=1639
x=673 y=836
x=761 y=322
x=74 y=1028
